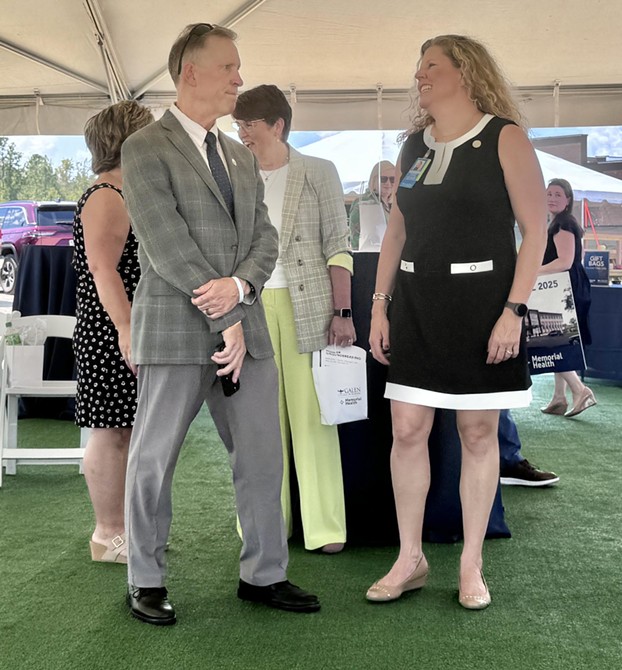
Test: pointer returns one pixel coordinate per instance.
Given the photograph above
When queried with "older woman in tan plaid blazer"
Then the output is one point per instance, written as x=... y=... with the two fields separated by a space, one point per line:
x=307 y=303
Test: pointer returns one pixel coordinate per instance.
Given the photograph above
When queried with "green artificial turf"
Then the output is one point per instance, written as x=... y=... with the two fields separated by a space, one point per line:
x=556 y=584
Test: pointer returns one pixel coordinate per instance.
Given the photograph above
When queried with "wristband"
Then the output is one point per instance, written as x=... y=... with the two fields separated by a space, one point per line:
x=382 y=296
x=238 y=283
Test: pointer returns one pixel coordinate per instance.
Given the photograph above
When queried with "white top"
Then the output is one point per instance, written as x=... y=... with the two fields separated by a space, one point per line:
x=274 y=196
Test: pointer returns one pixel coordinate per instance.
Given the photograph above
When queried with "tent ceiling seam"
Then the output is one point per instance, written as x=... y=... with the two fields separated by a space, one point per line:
x=28 y=55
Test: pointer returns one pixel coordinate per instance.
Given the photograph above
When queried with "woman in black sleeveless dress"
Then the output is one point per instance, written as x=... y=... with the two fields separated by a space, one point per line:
x=106 y=265
x=564 y=251
x=456 y=289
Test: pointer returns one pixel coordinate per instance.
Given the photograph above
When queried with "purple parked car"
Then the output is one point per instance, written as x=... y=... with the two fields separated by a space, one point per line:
x=29 y=222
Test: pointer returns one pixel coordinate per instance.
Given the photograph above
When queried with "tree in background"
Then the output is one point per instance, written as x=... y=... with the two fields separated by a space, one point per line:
x=11 y=175
x=38 y=179
x=40 y=182
x=73 y=178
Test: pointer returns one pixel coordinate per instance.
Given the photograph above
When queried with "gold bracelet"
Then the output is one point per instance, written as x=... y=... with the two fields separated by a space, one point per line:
x=381 y=296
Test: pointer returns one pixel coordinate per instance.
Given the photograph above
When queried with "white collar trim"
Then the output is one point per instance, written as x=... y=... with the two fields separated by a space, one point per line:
x=433 y=144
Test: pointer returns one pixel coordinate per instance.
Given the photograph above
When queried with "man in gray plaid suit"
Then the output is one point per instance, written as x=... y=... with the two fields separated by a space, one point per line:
x=206 y=249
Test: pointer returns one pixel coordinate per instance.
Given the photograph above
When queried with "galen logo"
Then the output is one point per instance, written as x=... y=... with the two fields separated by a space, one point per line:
x=352 y=390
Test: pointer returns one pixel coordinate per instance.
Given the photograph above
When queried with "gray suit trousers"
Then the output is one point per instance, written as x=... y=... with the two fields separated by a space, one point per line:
x=170 y=397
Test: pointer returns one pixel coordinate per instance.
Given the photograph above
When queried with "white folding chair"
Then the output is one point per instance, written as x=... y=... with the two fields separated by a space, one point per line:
x=10 y=454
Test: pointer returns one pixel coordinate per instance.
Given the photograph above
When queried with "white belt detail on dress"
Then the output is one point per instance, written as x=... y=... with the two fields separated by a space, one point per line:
x=456 y=268
x=468 y=268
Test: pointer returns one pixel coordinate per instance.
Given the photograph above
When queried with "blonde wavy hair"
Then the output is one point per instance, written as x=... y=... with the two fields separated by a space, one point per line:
x=487 y=86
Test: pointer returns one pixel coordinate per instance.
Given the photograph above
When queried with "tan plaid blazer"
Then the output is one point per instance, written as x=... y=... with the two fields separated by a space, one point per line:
x=314 y=228
x=187 y=237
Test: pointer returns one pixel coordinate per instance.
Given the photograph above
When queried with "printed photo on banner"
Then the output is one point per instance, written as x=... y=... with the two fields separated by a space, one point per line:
x=553 y=338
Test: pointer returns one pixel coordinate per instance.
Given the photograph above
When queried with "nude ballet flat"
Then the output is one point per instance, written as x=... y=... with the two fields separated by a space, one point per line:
x=114 y=551
x=332 y=548
x=586 y=400
x=558 y=408
x=471 y=602
x=381 y=593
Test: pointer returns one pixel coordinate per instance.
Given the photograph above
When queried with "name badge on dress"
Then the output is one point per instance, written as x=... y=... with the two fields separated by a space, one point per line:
x=416 y=171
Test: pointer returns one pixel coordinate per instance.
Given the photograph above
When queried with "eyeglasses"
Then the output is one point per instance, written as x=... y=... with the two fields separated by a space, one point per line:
x=245 y=125
x=384 y=179
x=198 y=31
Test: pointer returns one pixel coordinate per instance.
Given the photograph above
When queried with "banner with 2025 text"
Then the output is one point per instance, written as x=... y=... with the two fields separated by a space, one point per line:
x=553 y=337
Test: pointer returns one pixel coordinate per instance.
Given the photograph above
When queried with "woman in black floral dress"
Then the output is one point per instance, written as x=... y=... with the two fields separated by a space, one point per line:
x=106 y=264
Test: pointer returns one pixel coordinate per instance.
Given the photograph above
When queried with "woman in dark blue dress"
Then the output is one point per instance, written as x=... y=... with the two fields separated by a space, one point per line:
x=564 y=251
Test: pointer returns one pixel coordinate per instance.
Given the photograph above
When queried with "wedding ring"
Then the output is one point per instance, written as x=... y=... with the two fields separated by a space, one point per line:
x=508 y=351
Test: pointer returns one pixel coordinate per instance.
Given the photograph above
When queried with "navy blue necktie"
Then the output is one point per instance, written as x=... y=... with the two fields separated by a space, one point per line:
x=219 y=171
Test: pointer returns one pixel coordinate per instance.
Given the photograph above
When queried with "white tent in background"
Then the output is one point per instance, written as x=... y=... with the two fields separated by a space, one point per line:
x=355 y=153
x=586 y=184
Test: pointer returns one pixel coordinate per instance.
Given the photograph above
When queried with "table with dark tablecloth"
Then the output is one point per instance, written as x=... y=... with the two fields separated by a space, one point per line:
x=366 y=447
x=604 y=354
x=46 y=284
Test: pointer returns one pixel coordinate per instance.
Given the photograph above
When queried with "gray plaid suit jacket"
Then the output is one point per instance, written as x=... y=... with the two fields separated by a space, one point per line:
x=187 y=237
x=313 y=229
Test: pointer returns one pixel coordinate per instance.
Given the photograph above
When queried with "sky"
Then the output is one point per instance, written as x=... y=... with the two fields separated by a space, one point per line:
x=55 y=147
x=59 y=147
x=602 y=141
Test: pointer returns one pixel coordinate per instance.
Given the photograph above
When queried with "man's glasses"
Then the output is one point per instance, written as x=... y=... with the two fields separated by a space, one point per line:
x=245 y=125
x=198 y=31
x=384 y=179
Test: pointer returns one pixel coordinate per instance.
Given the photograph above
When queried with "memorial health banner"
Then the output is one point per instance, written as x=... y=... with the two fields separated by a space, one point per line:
x=553 y=338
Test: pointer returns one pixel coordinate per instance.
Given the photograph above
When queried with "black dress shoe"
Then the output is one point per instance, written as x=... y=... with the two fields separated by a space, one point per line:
x=281 y=596
x=151 y=605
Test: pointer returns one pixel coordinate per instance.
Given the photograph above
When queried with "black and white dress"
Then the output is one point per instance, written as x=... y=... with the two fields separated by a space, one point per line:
x=106 y=396
x=455 y=275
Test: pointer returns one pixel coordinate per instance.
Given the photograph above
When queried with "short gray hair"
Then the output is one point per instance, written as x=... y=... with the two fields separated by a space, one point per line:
x=190 y=40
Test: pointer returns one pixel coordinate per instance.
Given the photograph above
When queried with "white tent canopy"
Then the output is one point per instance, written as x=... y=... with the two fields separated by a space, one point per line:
x=586 y=184
x=355 y=152
x=346 y=64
